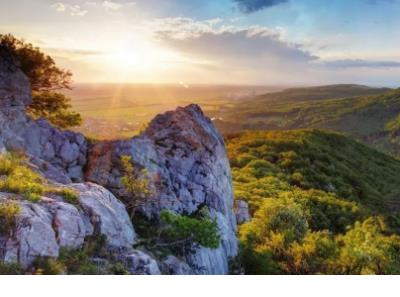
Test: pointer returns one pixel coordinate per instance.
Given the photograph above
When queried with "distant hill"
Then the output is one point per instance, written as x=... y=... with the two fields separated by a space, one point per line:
x=319 y=93
x=372 y=119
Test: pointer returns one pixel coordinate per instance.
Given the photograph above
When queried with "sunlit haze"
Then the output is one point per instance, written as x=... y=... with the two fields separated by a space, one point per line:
x=283 y=42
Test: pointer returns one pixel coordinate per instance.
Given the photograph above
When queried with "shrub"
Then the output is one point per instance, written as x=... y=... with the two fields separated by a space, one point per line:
x=136 y=183
x=8 y=211
x=19 y=179
x=10 y=269
x=183 y=230
x=69 y=195
x=48 y=266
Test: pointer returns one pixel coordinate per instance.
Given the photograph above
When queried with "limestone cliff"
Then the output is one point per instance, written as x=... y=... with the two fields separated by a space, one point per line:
x=182 y=151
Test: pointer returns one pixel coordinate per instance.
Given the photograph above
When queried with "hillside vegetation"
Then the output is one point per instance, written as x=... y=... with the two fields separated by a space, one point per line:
x=321 y=203
x=373 y=119
x=319 y=93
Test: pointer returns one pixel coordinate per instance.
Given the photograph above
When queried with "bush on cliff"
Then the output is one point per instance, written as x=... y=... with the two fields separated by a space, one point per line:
x=180 y=230
x=136 y=183
x=45 y=78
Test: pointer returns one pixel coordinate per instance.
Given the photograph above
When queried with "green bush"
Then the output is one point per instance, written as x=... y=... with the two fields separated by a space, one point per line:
x=179 y=229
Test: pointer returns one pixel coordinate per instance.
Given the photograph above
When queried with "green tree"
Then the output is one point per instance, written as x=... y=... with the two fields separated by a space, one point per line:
x=46 y=79
x=182 y=230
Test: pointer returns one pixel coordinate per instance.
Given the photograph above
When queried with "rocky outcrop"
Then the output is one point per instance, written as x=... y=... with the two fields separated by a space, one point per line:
x=188 y=168
x=181 y=150
x=173 y=266
x=138 y=262
x=42 y=228
x=59 y=155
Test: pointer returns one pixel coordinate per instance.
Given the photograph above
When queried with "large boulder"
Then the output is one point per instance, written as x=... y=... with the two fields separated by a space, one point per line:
x=188 y=168
x=42 y=228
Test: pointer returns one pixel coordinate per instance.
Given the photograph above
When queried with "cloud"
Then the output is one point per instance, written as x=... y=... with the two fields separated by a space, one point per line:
x=249 y=6
x=242 y=55
x=73 y=10
x=59 y=6
x=360 y=63
x=109 y=5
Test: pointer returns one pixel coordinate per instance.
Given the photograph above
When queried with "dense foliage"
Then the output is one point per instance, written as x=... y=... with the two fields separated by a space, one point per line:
x=46 y=78
x=321 y=203
x=185 y=230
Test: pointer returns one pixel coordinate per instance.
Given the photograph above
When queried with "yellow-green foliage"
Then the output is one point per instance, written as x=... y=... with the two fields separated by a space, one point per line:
x=136 y=183
x=18 y=178
x=313 y=195
x=69 y=195
x=8 y=212
x=15 y=177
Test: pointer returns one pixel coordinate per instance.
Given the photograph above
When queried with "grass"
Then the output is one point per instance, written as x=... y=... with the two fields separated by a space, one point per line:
x=17 y=178
x=69 y=195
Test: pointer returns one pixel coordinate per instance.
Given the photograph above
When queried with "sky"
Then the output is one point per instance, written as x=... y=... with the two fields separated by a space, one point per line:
x=252 y=42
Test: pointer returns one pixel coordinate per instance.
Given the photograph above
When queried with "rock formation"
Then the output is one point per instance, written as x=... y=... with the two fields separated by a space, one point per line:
x=187 y=162
x=182 y=151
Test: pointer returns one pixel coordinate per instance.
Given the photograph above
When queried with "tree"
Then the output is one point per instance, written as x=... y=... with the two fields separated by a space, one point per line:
x=183 y=230
x=46 y=78
x=136 y=183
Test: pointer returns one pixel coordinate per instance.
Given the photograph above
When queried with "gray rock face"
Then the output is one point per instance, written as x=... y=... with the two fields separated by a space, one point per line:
x=14 y=86
x=182 y=151
x=139 y=262
x=43 y=228
x=173 y=266
x=188 y=168
x=107 y=214
x=242 y=211
x=55 y=152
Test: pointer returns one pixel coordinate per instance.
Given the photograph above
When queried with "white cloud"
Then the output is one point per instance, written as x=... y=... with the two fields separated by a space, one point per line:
x=59 y=6
x=73 y=10
x=109 y=5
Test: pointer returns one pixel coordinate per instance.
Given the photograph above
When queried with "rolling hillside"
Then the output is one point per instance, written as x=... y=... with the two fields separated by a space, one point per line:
x=371 y=119
x=320 y=202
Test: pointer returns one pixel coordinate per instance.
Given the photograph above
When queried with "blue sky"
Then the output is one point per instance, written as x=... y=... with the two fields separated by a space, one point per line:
x=215 y=41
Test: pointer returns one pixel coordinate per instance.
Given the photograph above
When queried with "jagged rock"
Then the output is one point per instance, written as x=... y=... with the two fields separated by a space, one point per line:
x=42 y=228
x=173 y=266
x=242 y=211
x=215 y=261
x=139 y=262
x=107 y=214
x=188 y=168
x=182 y=151
x=45 y=145
x=68 y=224
x=33 y=236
